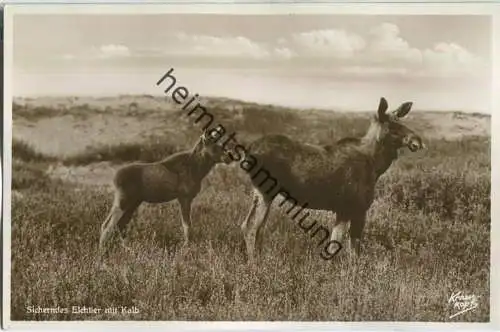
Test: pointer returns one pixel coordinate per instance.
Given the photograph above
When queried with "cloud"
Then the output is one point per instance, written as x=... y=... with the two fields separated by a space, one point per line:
x=113 y=51
x=373 y=71
x=284 y=53
x=108 y=51
x=387 y=45
x=333 y=43
x=227 y=47
x=204 y=45
x=380 y=50
x=450 y=59
x=384 y=51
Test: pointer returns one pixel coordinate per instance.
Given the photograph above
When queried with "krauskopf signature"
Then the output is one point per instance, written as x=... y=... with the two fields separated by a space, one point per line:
x=462 y=303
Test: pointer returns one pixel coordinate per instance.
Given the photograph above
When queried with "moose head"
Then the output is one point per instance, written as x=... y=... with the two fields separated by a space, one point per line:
x=392 y=131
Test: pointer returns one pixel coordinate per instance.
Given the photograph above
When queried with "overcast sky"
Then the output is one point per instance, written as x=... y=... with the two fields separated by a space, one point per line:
x=325 y=61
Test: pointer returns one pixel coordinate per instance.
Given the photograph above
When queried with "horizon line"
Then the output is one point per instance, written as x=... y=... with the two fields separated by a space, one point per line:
x=242 y=101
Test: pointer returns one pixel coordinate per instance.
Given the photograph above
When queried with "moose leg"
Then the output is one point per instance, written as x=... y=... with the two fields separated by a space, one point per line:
x=339 y=228
x=248 y=218
x=185 y=204
x=355 y=232
x=253 y=228
x=251 y=213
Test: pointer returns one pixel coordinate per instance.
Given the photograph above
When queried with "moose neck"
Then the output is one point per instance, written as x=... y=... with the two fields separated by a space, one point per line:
x=378 y=147
x=385 y=154
x=201 y=164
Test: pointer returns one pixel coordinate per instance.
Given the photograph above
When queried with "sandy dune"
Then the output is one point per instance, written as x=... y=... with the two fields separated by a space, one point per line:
x=115 y=122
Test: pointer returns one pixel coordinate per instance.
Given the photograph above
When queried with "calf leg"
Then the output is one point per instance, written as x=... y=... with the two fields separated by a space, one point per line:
x=120 y=214
x=123 y=222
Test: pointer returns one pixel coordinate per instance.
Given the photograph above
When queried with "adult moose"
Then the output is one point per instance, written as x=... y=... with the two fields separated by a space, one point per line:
x=178 y=177
x=339 y=178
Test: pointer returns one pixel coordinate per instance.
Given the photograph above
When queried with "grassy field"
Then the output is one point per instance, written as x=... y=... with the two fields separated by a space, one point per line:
x=428 y=232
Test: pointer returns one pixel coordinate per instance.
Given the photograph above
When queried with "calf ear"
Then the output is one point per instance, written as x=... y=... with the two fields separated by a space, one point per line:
x=206 y=134
x=382 y=108
x=404 y=109
x=215 y=133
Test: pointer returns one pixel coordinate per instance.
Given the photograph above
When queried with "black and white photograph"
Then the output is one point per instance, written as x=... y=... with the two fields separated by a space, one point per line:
x=249 y=165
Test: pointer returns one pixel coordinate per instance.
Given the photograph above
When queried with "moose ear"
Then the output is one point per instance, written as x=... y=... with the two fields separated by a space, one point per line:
x=382 y=108
x=404 y=109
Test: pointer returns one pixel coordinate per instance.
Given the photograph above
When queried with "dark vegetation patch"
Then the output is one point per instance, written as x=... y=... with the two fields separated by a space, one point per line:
x=25 y=152
x=122 y=153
